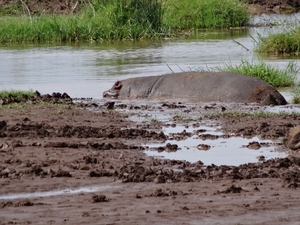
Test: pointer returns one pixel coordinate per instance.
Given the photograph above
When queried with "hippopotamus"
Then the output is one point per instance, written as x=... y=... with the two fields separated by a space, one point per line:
x=198 y=87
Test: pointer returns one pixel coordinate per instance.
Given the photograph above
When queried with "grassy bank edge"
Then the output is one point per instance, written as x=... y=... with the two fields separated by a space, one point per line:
x=126 y=20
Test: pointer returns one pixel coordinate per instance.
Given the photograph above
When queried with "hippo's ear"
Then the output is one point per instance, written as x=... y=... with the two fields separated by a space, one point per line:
x=118 y=85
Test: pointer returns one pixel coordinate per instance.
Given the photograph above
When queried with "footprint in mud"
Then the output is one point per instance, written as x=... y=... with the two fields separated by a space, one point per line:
x=203 y=147
x=100 y=198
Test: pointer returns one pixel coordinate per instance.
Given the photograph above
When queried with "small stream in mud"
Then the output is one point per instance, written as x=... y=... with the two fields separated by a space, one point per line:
x=55 y=193
x=88 y=69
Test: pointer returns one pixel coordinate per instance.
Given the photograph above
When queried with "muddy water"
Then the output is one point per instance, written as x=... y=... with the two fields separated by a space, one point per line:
x=228 y=150
x=87 y=69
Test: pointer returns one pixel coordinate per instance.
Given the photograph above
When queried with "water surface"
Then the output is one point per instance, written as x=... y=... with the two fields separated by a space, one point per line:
x=223 y=151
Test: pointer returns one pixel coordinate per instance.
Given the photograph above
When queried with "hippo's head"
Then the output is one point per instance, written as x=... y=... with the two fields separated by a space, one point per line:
x=114 y=91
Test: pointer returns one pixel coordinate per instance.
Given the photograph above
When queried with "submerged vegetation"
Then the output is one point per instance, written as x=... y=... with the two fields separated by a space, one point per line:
x=119 y=20
x=271 y=74
x=282 y=43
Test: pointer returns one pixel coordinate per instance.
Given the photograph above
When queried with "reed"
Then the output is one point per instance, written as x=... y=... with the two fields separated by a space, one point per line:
x=296 y=94
x=122 y=20
x=282 y=43
x=205 y=13
x=271 y=74
x=99 y=20
x=11 y=9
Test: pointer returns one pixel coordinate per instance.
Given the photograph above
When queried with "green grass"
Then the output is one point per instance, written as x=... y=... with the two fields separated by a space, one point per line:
x=15 y=94
x=13 y=9
x=271 y=74
x=282 y=43
x=296 y=94
x=122 y=20
x=100 y=20
x=185 y=14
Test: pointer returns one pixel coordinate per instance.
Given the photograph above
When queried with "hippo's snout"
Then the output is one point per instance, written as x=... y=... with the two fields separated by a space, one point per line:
x=105 y=94
x=114 y=91
x=110 y=94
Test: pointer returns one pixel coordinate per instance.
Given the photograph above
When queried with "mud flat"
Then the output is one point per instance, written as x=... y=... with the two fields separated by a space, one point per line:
x=87 y=163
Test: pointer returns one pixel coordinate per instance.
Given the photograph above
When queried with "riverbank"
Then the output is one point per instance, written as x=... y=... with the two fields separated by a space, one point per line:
x=131 y=20
x=39 y=22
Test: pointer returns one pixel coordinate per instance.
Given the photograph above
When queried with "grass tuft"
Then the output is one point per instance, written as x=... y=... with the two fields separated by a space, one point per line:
x=205 y=14
x=272 y=75
x=296 y=94
x=15 y=94
x=282 y=43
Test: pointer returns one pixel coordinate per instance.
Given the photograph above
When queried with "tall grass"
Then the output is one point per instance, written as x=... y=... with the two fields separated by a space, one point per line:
x=126 y=19
x=11 y=9
x=282 y=43
x=296 y=94
x=100 y=20
x=205 y=13
x=271 y=74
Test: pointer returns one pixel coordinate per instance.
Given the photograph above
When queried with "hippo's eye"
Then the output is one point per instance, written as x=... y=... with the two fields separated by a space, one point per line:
x=118 y=85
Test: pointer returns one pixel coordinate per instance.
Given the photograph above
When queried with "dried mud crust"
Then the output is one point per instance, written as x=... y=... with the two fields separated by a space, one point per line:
x=73 y=6
x=46 y=147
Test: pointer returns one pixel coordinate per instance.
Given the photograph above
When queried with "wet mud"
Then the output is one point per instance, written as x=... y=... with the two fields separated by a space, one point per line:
x=49 y=147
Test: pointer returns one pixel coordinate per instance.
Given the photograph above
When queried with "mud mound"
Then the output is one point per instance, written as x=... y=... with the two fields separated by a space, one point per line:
x=286 y=169
x=43 y=129
x=56 y=97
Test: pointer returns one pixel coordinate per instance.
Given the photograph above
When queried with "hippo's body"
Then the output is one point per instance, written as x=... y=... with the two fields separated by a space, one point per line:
x=198 y=87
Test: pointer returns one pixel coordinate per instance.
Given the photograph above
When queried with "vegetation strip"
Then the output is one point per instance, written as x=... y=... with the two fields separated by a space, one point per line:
x=282 y=43
x=271 y=74
x=125 y=20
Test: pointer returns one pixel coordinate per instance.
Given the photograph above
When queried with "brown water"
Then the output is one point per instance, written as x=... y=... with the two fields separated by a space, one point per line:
x=87 y=69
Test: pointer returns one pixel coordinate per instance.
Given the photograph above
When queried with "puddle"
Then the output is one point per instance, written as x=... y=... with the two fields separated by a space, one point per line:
x=54 y=193
x=283 y=109
x=222 y=150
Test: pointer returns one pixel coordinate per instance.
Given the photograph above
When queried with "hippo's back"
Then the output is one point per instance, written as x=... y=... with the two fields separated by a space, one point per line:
x=214 y=86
